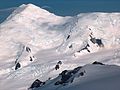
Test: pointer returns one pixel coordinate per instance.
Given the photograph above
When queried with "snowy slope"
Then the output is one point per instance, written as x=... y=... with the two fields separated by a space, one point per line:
x=96 y=77
x=38 y=39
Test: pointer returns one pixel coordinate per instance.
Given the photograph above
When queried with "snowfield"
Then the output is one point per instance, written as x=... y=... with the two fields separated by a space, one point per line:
x=34 y=40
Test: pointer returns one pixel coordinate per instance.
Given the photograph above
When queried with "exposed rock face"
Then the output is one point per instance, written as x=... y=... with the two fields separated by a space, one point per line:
x=17 y=66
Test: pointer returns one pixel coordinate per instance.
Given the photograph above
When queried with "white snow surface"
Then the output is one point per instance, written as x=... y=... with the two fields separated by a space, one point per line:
x=46 y=34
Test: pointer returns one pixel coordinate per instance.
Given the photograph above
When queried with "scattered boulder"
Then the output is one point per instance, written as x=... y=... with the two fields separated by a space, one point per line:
x=68 y=37
x=31 y=59
x=17 y=66
x=57 y=67
x=88 y=45
x=70 y=46
x=59 y=62
x=99 y=63
x=28 y=49
x=89 y=28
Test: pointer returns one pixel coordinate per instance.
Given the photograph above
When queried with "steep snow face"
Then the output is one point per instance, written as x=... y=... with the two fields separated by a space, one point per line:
x=31 y=26
x=98 y=30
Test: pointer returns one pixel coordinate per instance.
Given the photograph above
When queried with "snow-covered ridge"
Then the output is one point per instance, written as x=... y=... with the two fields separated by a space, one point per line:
x=33 y=40
x=38 y=24
x=39 y=29
x=84 y=77
x=33 y=12
x=30 y=25
x=91 y=29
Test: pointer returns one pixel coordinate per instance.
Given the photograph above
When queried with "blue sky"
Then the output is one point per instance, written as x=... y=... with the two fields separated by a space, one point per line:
x=68 y=7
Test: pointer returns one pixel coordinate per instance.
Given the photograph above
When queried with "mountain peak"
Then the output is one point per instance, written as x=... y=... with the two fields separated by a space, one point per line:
x=32 y=12
x=34 y=8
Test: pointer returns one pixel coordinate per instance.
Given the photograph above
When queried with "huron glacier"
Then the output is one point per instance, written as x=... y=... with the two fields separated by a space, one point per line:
x=35 y=40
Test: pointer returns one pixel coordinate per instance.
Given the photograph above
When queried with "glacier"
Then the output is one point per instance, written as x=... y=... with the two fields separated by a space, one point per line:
x=38 y=39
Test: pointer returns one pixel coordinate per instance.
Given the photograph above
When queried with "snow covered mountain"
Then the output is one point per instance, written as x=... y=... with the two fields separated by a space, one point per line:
x=33 y=40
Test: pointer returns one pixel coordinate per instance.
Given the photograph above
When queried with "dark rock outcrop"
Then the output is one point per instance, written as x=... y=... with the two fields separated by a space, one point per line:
x=59 y=62
x=70 y=46
x=68 y=37
x=31 y=59
x=99 y=43
x=57 y=67
x=96 y=41
x=98 y=63
x=37 y=83
x=68 y=76
x=85 y=48
x=28 y=49
x=17 y=66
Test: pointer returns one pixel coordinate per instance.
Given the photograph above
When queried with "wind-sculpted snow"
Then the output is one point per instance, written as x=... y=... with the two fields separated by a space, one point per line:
x=92 y=77
x=34 y=40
